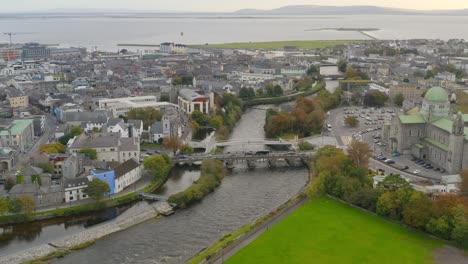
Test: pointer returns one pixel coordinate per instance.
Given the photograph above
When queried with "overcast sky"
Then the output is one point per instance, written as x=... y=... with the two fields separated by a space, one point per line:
x=216 y=5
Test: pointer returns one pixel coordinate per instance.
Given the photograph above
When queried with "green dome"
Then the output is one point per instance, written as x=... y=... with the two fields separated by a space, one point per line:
x=436 y=94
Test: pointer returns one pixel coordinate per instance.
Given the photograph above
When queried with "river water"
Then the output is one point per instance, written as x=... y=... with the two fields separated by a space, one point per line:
x=244 y=196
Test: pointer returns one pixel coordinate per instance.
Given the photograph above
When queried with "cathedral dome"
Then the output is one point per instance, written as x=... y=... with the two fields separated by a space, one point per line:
x=436 y=95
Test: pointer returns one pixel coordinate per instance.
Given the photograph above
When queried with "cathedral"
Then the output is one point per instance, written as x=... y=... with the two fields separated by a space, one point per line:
x=435 y=133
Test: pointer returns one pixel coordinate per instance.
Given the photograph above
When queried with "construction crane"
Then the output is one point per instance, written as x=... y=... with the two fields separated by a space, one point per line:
x=10 y=34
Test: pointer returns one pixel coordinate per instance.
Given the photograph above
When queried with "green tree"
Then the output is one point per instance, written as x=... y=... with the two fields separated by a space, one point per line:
x=76 y=131
x=366 y=198
x=217 y=121
x=4 y=205
x=418 y=211
x=375 y=98
x=342 y=65
x=277 y=90
x=305 y=146
x=460 y=225
x=398 y=99
x=36 y=179
x=393 y=182
x=28 y=204
x=53 y=148
x=15 y=205
x=199 y=117
x=351 y=121
x=164 y=98
x=157 y=165
x=89 y=152
x=246 y=93
x=46 y=167
x=20 y=178
x=464 y=183
x=391 y=203
x=147 y=115
x=96 y=189
x=10 y=182
x=186 y=149
x=96 y=130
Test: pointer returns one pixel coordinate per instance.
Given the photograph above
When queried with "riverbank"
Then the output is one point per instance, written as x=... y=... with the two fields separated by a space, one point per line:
x=275 y=45
x=83 y=208
x=286 y=98
x=229 y=244
x=68 y=244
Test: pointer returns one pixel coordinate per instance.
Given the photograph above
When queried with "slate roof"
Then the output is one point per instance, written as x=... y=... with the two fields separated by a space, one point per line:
x=412 y=119
x=125 y=168
x=157 y=128
x=70 y=183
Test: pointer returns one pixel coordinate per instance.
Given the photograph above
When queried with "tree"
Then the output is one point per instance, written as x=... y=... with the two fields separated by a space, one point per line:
x=172 y=143
x=96 y=130
x=164 y=98
x=147 y=115
x=27 y=204
x=15 y=205
x=89 y=152
x=277 y=90
x=418 y=211
x=359 y=153
x=46 y=167
x=394 y=182
x=186 y=149
x=199 y=117
x=398 y=99
x=351 y=121
x=313 y=71
x=217 y=121
x=157 y=165
x=36 y=179
x=366 y=198
x=464 y=183
x=4 y=205
x=391 y=203
x=20 y=178
x=375 y=98
x=96 y=189
x=246 y=93
x=10 y=182
x=53 y=148
x=76 y=131
x=305 y=146
x=342 y=65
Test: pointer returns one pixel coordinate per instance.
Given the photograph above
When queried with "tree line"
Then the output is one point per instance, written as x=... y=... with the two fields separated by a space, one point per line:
x=348 y=178
x=305 y=119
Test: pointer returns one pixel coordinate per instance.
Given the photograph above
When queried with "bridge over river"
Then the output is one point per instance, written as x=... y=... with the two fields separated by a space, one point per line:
x=249 y=157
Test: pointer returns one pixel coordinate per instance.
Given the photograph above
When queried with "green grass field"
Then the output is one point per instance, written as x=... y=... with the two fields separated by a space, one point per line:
x=326 y=231
x=302 y=44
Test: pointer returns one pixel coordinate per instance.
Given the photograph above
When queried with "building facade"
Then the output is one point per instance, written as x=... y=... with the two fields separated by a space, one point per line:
x=19 y=101
x=190 y=100
x=436 y=133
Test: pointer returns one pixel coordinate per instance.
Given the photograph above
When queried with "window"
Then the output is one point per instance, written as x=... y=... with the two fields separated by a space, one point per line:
x=71 y=192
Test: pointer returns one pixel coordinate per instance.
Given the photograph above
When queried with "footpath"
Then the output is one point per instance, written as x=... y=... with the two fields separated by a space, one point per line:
x=139 y=213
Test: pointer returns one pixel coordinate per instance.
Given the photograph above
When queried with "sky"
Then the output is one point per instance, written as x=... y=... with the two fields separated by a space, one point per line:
x=215 y=5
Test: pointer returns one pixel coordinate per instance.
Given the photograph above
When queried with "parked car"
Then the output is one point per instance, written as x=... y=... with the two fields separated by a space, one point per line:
x=405 y=168
x=396 y=154
x=416 y=171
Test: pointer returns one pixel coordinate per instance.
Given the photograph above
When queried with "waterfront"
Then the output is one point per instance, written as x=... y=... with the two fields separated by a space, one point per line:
x=244 y=196
x=106 y=32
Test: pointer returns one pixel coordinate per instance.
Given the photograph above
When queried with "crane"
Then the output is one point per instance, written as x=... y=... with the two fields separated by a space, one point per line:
x=9 y=34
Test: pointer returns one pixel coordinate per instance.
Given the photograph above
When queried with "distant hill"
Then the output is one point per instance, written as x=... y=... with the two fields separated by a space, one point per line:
x=347 y=10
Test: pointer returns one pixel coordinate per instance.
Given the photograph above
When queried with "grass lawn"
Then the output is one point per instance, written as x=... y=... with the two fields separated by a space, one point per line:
x=302 y=44
x=326 y=231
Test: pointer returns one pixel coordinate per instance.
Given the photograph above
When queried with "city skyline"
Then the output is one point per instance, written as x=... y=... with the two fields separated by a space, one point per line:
x=215 y=6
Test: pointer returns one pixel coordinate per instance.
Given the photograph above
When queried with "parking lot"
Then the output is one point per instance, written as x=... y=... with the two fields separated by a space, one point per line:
x=371 y=121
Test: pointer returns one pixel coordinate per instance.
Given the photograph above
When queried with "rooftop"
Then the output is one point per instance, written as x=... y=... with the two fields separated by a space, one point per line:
x=18 y=126
x=125 y=167
x=436 y=94
x=412 y=119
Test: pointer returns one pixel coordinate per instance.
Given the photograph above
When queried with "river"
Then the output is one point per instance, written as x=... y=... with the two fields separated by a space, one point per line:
x=244 y=196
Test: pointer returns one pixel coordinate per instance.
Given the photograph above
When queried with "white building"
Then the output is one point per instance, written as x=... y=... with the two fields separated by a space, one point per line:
x=190 y=100
x=74 y=189
x=121 y=106
x=126 y=174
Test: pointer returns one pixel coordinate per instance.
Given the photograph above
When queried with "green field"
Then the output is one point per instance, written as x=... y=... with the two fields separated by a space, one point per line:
x=326 y=231
x=301 y=44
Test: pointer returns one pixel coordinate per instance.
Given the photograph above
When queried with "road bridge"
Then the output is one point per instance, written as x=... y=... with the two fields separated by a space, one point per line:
x=254 y=141
x=249 y=157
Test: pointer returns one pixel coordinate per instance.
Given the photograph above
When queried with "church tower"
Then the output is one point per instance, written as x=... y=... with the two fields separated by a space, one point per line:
x=455 y=148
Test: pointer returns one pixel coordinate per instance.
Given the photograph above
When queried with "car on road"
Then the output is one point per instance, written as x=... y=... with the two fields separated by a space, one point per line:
x=405 y=168
x=416 y=171
x=389 y=161
x=182 y=156
x=396 y=154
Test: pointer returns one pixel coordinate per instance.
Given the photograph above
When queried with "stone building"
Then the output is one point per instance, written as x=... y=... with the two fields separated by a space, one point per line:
x=435 y=133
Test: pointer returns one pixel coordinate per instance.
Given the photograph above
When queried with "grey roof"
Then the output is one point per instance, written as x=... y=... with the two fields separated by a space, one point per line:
x=128 y=144
x=96 y=140
x=125 y=167
x=27 y=188
x=114 y=121
x=189 y=94
x=31 y=170
x=69 y=183
x=88 y=117
x=157 y=128
x=135 y=123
